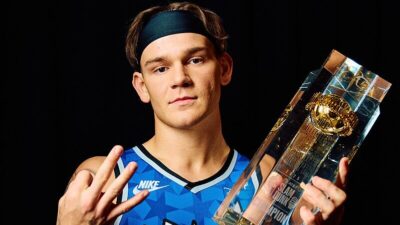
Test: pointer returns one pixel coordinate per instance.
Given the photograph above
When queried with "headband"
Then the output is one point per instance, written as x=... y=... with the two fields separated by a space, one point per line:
x=169 y=22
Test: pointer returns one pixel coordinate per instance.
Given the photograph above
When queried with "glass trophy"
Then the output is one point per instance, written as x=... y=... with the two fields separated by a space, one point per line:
x=328 y=118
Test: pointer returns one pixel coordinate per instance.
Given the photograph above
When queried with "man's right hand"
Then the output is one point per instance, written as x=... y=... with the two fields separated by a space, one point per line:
x=84 y=202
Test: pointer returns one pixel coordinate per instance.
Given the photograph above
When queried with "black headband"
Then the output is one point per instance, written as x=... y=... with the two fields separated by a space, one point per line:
x=169 y=22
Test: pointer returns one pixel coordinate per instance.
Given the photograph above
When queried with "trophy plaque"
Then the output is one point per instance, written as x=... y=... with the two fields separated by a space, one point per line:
x=327 y=119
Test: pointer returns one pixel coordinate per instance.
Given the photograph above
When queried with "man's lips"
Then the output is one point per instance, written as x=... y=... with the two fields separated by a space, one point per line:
x=182 y=99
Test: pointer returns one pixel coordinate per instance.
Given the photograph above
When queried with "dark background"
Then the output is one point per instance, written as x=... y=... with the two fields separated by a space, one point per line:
x=66 y=94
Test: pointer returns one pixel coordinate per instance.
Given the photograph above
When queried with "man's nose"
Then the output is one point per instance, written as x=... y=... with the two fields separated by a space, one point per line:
x=181 y=77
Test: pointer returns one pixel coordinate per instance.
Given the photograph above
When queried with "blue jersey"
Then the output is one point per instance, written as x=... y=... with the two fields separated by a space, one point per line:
x=175 y=200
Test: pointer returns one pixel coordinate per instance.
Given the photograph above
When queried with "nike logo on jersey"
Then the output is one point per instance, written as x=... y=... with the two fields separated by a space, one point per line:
x=150 y=185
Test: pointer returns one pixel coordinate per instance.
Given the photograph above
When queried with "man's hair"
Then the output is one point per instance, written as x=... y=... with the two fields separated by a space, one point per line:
x=211 y=21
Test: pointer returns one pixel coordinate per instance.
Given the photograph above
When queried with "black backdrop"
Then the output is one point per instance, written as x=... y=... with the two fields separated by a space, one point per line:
x=67 y=96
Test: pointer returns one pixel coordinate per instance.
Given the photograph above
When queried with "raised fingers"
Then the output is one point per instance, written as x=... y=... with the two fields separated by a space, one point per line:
x=127 y=205
x=116 y=188
x=104 y=172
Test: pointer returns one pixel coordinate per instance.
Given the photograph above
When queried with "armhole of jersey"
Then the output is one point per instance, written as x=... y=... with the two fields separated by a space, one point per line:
x=117 y=172
x=274 y=153
x=124 y=195
x=256 y=178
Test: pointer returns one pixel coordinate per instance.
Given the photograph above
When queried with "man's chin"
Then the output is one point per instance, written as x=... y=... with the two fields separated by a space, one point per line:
x=187 y=122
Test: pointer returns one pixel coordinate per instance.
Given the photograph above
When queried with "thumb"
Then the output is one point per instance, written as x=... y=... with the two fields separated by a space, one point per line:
x=341 y=179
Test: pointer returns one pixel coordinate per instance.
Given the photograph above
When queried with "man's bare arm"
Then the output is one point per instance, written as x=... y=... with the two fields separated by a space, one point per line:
x=90 y=196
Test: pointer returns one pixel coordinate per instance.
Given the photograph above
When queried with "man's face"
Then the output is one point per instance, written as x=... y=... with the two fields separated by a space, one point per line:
x=181 y=77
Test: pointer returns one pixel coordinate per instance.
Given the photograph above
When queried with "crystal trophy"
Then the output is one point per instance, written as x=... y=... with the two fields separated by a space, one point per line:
x=328 y=118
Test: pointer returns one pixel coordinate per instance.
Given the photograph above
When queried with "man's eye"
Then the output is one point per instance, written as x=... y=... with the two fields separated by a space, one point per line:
x=161 y=69
x=196 y=60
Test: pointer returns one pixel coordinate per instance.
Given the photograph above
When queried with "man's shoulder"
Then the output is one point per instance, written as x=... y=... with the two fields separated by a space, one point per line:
x=241 y=157
x=92 y=164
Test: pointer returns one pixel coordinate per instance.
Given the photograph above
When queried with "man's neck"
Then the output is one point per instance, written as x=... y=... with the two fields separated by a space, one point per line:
x=195 y=154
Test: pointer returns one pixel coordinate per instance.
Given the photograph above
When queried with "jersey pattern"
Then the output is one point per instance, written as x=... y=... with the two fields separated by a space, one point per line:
x=175 y=200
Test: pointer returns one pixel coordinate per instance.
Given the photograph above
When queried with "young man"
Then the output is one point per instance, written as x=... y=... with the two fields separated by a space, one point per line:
x=185 y=170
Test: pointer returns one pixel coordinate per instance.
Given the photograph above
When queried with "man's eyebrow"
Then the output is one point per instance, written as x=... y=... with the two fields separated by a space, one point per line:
x=154 y=60
x=186 y=52
x=194 y=50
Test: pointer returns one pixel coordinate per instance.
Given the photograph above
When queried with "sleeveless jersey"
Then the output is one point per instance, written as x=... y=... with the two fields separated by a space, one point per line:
x=175 y=200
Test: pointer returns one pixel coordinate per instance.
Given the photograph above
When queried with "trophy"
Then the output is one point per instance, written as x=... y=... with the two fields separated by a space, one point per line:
x=327 y=119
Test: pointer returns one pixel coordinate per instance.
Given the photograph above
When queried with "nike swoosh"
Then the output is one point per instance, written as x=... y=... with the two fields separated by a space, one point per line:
x=136 y=190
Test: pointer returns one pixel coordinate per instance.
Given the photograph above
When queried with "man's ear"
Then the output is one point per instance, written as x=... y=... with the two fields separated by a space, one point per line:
x=140 y=87
x=227 y=68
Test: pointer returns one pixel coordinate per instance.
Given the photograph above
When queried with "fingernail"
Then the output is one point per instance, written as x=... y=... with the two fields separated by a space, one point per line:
x=303 y=185
x=273 y=174
x=117 y=150
x=315 y=179
x=347 y=161
x=132 y=165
